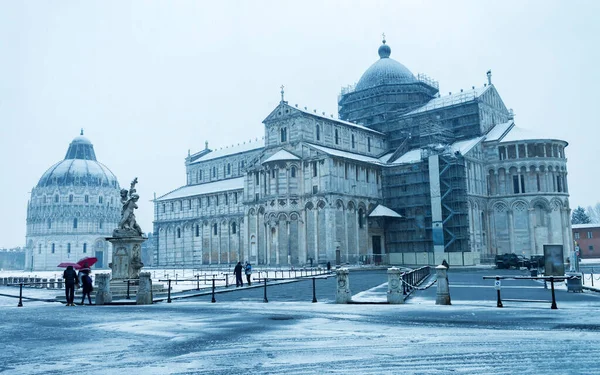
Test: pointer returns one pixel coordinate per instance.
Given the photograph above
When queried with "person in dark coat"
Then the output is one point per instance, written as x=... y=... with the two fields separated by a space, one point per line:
x=248 y=271
x=238 y=274
x=87 y=286
x=71 y=282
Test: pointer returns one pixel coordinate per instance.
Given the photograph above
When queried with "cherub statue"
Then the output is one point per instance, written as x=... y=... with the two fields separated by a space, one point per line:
x=129 y=200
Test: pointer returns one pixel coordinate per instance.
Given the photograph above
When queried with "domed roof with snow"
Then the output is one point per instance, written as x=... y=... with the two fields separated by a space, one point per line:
x=385 y=71
x=79 y=168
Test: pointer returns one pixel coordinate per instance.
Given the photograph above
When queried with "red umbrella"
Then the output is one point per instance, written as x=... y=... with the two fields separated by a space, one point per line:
x=67 y=264
x=90 y=261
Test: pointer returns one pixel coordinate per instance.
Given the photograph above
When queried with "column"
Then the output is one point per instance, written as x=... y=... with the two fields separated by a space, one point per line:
x=346 y=238
x=330 y=233
x=277 y=247
x=511 y=230
x=302 y=257
x=532 y=231
x=357 y=236
x=548 y=214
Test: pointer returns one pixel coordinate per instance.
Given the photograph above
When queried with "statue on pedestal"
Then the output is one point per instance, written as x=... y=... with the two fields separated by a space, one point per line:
x=128 y=227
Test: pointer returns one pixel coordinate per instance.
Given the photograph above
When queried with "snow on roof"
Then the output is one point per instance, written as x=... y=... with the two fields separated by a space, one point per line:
x=516 y=134
x=228 y=151
x=211 y=187
x=281 y=155
x=585 y=226
x=449 y=100
x=347 y=155
x=498 y=131
x=465 y=146
x=337 y=120
x=383 y=211
x=412 y=156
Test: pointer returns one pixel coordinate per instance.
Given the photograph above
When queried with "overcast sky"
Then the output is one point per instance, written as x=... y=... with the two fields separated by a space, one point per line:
x=149 y=80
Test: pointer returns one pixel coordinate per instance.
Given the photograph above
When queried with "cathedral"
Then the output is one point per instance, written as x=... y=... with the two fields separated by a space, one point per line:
x=75 y=205
x=403 y=176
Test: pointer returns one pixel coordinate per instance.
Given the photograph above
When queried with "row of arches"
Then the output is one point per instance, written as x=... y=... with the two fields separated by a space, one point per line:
x=194 y=242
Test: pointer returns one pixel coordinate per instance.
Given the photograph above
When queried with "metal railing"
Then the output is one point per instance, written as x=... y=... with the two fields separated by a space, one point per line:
x=551 y=279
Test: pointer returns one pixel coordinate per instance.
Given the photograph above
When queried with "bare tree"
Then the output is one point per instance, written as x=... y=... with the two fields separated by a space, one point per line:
x=594 y=213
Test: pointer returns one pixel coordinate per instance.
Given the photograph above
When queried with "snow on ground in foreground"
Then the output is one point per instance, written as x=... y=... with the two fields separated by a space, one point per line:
x=188 y=337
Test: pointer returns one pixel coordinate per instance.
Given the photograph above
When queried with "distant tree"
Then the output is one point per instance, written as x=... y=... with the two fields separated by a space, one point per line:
x=594 y=213
x=579 y=216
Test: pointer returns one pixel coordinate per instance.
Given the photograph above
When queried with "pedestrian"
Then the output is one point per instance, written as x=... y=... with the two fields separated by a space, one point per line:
x=238 y=275
x=87 y=286
x=248 y=270
x=81 y=272
x=328 y=266
x=71 y=282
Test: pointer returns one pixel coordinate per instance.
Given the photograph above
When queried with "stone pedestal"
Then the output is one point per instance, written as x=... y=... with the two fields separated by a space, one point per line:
x=127 y=257
x=394 y=293
x=443 y=289
x=144 y=292
x=103 y=294
x=343 y=294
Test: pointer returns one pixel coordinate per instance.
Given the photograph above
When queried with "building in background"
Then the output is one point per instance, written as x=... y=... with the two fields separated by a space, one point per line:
x=74 y=206
x=403 y=176
x=12 y=259
x=587 y=238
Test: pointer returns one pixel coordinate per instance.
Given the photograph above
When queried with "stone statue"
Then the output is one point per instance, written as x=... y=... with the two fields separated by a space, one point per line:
x=128 y=227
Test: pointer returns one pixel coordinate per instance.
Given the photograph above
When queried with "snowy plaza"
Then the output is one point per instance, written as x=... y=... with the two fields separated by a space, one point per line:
x=240 y=334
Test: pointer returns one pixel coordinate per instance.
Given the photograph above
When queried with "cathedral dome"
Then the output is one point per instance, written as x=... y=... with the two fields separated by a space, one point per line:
x=79 y=168
x=385 y=71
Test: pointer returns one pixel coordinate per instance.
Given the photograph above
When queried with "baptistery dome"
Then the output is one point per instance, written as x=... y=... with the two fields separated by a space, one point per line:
x=73 y=207
x=385 y=71
x=79 y=168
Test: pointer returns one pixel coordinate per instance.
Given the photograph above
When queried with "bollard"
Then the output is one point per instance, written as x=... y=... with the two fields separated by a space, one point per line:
x=198 y=282
x=553 y=307
x=20 y=304
x=213 y=300
x=343 y=294
x=144 y=293
x=394 y=293
x=169 y=291
x=443 y=289
x=103 y=295
x=314 y=292
x=127 y=297
x=265 y=300
x=497 y=286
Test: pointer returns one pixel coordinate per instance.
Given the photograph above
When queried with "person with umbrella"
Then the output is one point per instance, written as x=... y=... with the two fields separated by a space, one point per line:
x=86 y=284
x=71 y=281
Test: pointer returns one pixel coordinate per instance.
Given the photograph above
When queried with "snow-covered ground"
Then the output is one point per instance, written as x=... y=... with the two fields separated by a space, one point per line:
x=188 y=337
x=244 y=336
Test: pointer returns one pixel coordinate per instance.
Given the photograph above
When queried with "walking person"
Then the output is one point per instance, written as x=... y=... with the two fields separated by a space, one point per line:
x=248 y=271
x=71 y=282
x=238 y=275
x=87 y=286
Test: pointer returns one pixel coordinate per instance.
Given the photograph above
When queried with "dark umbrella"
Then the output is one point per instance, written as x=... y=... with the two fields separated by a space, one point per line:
x=67 y=264
x=89 y=261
